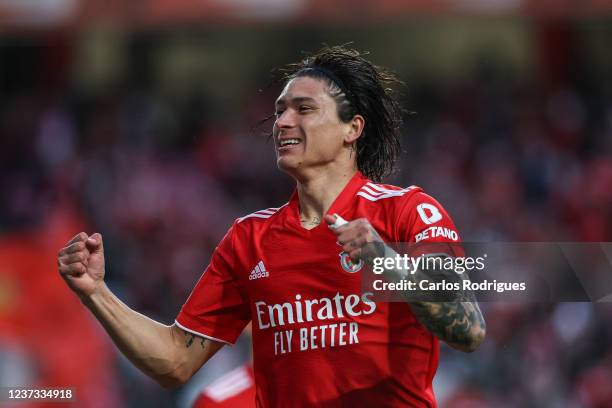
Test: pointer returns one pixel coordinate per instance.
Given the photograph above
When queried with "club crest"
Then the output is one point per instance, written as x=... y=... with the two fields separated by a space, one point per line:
x=348 y=265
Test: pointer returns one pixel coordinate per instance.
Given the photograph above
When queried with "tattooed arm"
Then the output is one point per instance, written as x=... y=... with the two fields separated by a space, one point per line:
x=452 y=316
x=460 y=324
x=167 y=354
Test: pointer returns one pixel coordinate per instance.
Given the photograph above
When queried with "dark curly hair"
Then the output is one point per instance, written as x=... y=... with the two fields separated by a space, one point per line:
x=359 y=87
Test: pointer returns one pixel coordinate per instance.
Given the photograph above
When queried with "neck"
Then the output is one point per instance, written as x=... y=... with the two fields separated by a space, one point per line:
x=317 y=193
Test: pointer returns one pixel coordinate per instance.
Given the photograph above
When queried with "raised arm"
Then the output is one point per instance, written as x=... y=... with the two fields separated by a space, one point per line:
x=167 y=354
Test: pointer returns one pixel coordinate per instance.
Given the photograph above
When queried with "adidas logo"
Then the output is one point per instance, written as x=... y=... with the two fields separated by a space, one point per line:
x=259 y=271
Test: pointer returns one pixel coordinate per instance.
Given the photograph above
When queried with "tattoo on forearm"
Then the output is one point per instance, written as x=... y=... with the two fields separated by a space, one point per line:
x=189 y=338
x=454 y=322
x=453 y=316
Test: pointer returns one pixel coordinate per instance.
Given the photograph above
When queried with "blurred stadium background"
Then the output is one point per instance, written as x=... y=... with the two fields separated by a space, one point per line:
x=138 y=120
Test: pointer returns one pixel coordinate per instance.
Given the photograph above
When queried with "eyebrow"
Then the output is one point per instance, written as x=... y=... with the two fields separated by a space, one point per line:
x=296 y=100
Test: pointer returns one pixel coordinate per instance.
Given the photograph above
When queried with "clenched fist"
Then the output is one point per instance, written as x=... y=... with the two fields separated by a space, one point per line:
x=81 y=263
x=358 y=238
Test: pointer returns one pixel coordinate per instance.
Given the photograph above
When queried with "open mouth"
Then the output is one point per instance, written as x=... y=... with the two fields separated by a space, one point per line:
x=289 y=142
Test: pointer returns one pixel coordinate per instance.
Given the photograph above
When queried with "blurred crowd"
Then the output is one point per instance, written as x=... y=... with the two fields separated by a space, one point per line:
x=511 y=158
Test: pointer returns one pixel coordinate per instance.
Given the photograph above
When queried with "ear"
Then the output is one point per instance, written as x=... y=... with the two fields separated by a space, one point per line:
x=356 y=126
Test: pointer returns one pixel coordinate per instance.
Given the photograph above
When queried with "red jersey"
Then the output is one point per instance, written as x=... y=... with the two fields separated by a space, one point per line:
x=317 y=340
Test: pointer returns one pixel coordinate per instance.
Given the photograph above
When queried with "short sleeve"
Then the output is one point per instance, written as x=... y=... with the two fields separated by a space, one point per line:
x=217 y=308
x=423 y=220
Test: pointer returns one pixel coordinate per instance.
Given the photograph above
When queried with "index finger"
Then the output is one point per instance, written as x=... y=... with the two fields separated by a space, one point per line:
x=69 y=249
x=81 y=236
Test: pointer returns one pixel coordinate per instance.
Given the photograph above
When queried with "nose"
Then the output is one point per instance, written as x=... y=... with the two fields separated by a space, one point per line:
x=286 y=120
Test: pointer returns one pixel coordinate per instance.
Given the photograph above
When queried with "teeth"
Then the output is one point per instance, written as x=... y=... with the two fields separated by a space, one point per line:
x=289 y=142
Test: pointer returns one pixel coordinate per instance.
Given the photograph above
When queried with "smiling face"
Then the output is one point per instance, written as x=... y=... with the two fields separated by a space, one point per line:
x=308 y=134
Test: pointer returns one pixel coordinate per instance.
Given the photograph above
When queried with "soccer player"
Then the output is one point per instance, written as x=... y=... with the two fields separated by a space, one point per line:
x=317 y=339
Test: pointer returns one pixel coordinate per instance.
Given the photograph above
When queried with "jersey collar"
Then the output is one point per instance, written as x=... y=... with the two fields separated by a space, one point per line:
x=343 y=202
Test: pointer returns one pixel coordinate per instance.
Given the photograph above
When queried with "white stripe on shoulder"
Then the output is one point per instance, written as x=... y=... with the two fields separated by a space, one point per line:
x=375 y=192
x=267 y=213
x=231 y=384
x=387 y=188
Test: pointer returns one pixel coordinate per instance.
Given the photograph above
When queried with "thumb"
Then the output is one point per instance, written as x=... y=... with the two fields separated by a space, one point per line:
x=329 y=219
x=335 y=221
x=94 y=243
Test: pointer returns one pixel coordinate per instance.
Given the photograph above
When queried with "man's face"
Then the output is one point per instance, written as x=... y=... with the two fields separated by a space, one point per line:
x=307 y=132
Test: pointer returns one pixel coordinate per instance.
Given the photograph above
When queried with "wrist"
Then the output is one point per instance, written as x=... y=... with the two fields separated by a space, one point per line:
x=95 y=296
